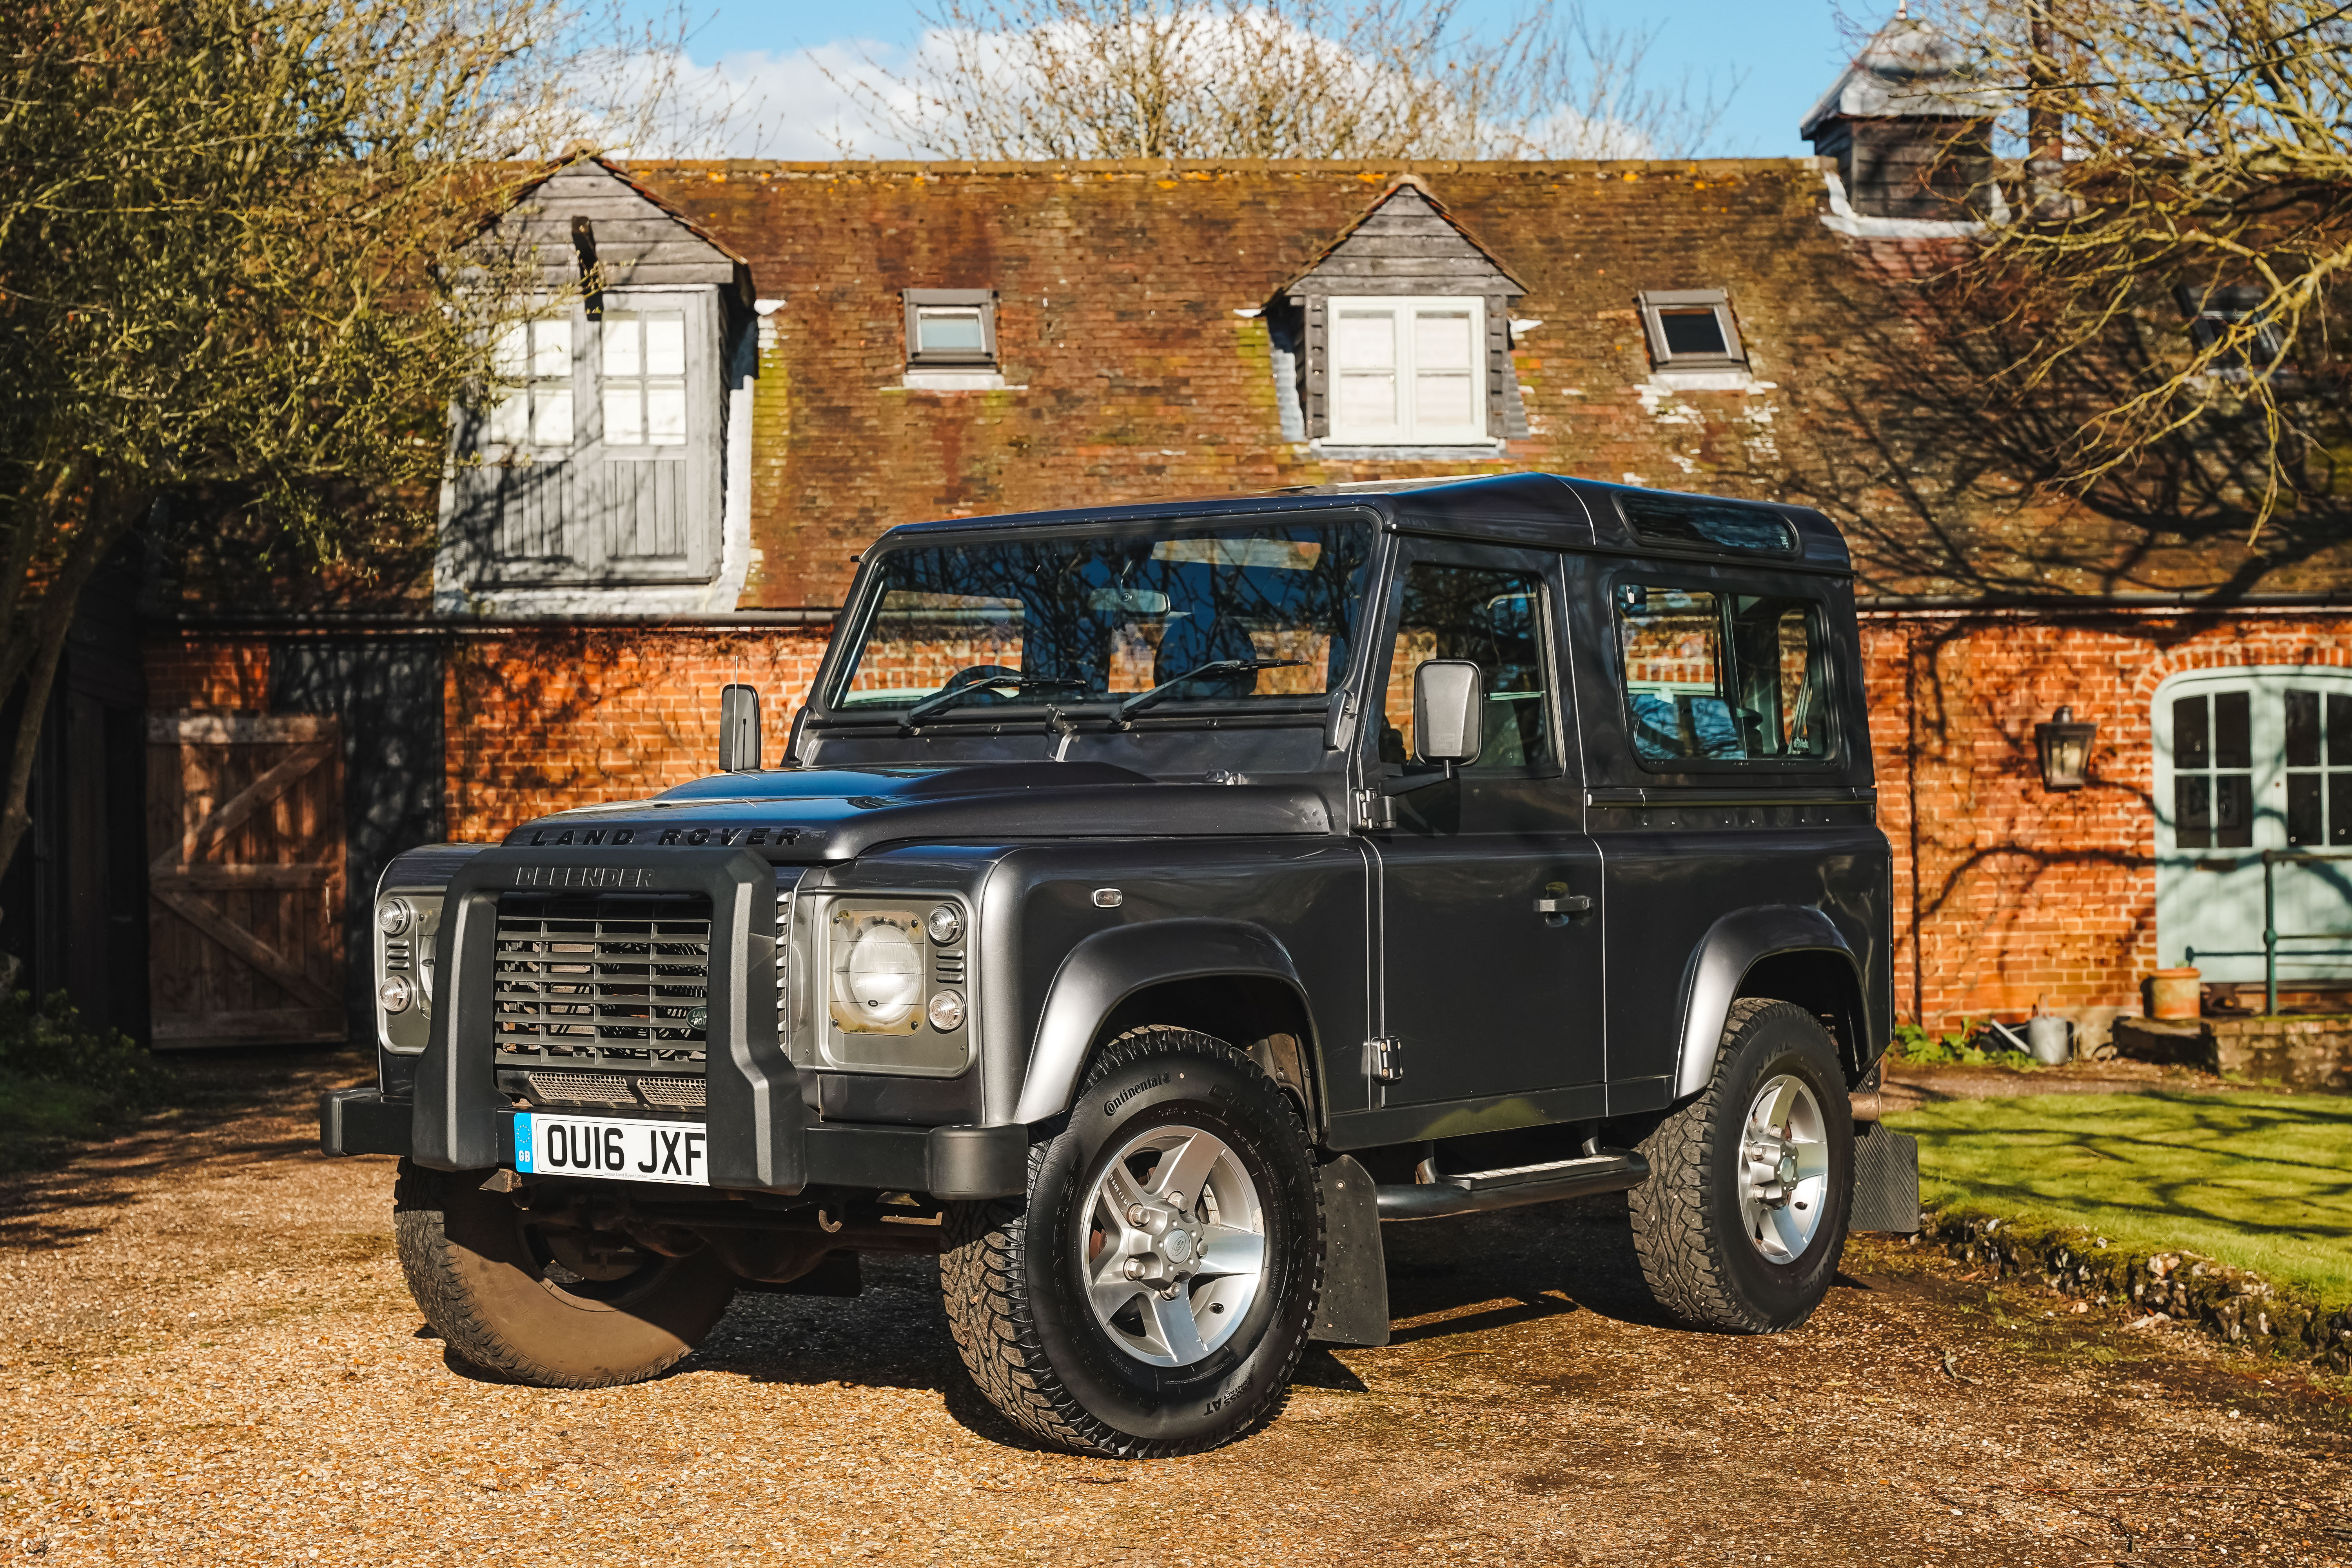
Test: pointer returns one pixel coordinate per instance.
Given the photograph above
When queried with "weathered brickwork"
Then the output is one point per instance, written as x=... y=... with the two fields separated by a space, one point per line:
x=1135 y=373
x=1137 y=370
x=2006 y=893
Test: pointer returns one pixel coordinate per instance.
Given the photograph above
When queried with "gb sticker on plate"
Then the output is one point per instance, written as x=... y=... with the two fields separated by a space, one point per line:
x=611 y=1148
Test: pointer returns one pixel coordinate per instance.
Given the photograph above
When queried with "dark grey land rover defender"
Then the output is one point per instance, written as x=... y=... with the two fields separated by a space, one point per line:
x=1153 y=899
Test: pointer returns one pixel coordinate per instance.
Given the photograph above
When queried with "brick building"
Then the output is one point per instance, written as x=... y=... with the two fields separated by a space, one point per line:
x=779 y=360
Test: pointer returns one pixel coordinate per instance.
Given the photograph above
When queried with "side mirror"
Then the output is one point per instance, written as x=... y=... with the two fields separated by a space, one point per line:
x=738 y=730
x=1449 y=702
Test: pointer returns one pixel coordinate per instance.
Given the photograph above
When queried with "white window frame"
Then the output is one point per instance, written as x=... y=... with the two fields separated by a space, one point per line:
x=1410 y=429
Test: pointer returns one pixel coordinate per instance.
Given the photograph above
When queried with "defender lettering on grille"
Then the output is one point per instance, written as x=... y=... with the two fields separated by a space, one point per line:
x=583 y=876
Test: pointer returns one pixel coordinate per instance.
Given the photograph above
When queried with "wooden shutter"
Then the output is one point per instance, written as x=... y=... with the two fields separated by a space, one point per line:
x=1408 y=370
x=245 y=828
x=655 y=461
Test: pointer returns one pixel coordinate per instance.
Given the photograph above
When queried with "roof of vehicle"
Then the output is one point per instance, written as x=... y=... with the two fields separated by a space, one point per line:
x=1524 y=508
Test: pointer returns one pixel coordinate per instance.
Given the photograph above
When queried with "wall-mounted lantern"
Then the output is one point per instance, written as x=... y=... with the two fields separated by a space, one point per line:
x=2065 y=750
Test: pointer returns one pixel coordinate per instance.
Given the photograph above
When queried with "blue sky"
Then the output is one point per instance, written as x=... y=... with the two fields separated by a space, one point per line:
x=1786 y=51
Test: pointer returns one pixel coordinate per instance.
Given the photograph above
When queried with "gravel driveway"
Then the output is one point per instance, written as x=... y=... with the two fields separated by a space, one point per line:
x=209 y=1358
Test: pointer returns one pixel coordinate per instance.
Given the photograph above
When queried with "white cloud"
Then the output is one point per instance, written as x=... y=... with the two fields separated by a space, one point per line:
x=760 y=105
x=838 y=98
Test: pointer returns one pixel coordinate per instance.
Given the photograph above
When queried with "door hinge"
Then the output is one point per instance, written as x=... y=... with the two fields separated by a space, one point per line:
x=1384 y=1058
x=1374 y=810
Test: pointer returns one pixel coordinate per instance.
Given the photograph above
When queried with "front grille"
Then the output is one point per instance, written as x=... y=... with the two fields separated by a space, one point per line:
x=612 y=980
x=606 y=1090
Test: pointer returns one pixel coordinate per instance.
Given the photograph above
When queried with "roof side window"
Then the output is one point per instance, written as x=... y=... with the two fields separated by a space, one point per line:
x=1701 y=523
x=1714 y=678
x=1692 y=329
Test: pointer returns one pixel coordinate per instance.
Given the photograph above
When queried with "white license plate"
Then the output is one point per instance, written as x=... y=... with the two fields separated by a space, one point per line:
x=548 y=1145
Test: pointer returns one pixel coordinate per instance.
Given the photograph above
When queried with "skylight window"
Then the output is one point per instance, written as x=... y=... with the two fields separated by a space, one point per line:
x=950 y=328
x=1692 y=329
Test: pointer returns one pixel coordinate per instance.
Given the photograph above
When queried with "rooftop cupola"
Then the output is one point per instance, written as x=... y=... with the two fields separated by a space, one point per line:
x=1910 y=124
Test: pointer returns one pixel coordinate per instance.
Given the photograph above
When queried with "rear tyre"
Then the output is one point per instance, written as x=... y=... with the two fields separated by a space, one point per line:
x=557 y=1309
x=1152 y=1292
x=1742 y=1221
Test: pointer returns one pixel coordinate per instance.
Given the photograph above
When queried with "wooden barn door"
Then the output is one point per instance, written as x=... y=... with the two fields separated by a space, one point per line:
x=245 y=828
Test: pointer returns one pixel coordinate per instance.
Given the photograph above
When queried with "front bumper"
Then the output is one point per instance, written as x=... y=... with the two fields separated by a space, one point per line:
x=944 y=1161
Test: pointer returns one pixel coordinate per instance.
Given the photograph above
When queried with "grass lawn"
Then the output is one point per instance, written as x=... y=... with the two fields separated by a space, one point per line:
x=37 y=1115
x=2262 y=1180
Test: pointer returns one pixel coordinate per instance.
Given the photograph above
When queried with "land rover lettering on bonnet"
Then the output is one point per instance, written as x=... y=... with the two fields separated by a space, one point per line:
x=1150 y=903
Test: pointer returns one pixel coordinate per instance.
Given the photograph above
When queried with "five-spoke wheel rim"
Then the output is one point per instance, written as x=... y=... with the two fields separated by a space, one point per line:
x=1172 y=1245
x=1784 y=1169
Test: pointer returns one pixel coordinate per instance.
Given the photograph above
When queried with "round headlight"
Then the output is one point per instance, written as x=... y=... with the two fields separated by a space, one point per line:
x=879 y=980
x=945 y=1011
x=394 y=915
x=395 y=993
x=945 y=924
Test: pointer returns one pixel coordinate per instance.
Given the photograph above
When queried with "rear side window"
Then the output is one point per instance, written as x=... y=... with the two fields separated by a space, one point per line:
x=1722 y=676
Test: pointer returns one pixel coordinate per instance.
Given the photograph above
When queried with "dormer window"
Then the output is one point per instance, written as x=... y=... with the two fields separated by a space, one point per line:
x=1395 y=341
x=951 y=329
x=596 y=463
x=1692 y=329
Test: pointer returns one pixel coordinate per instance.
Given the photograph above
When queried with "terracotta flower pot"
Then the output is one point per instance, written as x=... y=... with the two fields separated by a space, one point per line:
x=2173 y=994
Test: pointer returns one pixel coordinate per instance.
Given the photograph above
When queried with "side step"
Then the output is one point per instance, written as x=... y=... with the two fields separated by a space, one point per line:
x=1470 y=1191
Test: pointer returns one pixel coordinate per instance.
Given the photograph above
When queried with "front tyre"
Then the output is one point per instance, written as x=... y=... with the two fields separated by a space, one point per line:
x=1742 y=1221
x=554 y=1307
x=1152 y=1292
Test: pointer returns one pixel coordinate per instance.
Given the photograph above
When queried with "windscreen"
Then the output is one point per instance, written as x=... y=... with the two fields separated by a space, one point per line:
x=1021 y=619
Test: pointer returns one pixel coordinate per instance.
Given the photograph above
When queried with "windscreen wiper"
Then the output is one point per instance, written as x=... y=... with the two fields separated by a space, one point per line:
x=1142 y=699
x=941 y=700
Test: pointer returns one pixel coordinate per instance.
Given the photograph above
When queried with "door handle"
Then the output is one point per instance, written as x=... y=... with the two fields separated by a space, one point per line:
x=1571 y=904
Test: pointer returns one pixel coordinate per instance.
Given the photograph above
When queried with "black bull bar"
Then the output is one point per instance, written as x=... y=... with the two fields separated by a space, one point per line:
x=762 y=1136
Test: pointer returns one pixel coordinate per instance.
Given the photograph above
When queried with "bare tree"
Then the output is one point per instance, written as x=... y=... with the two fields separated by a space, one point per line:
x=226 y=243
x=2189 y=187
x=1055 y=79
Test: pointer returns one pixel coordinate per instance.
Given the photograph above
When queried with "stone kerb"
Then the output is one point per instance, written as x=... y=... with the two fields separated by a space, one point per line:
x=2234 y=1305
x=2303 y=1053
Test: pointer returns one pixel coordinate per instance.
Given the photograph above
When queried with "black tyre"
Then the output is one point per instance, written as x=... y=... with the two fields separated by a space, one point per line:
x=1152 y=1292
x=1742 y=1221
x=559 y=1308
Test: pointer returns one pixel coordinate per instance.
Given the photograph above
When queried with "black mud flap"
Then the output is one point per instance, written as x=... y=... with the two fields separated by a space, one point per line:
x=1885 y=1180
x=1354 y=1309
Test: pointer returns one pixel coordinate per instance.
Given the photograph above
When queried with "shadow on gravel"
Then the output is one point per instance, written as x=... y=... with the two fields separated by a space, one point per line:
x=219 y=1091
x=1517 y=1264
x=1520 y=1266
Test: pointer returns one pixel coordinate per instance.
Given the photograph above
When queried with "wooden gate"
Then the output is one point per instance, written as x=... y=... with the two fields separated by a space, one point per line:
x=245 y=826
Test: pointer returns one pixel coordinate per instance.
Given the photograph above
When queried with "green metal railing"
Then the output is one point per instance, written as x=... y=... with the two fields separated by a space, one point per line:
x=2272 y=936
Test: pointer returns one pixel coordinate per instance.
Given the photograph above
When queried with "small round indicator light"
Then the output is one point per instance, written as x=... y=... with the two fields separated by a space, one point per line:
x=395 y=993
x=946 y=1012
x=945 y=923
x=394 y=915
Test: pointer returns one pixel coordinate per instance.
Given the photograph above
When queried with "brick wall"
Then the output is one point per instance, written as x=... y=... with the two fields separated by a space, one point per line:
x=2005 y=892
x=539 y=720
x=206 y=674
